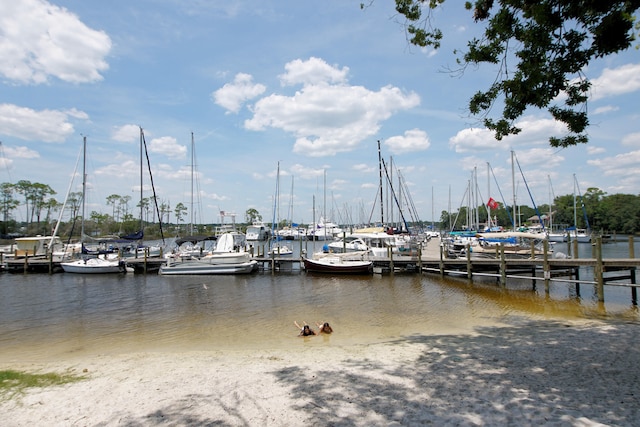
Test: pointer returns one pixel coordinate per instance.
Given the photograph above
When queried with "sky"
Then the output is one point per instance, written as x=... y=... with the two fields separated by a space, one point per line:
x=229 y=93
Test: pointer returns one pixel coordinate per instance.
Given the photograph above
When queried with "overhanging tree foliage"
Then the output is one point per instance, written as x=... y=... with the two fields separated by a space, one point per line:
x=542 y=48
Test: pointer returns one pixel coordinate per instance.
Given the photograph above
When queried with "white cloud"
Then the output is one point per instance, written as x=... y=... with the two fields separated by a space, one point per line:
x=38 y=40
x=605 y=109
x=328 y=118
x=412 y=140
x=617 y=81
x=304 y=172
x=474 y=139
x=363 y=168
x=632 y=139
x=313 y=71
x=620 y=165
x=126 y=133
x=20 y=153
x=592 y=149
x=534 y=131
x=168 y=146
x=538 y=158
x=32 y=125
x=233 y=95
x=10 y=153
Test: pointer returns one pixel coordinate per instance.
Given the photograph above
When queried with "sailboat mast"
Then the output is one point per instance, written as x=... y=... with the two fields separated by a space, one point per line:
x=380 y=172
x=324 y=203
x=513 y=186
x=141 y=178
x=192 y=166
x=276 y=203
x=550 y=206
x=489 y=225
x=575 y=209
x=84 y=183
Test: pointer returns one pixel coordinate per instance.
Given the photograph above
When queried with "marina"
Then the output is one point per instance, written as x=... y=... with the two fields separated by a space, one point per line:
x=596 y=270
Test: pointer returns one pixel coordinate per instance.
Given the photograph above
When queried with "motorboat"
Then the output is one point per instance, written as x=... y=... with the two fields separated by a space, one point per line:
x=207 y=265
x=579 y=234
x=323 y=230
x=279 y=249
x=346 y=244
x=257 y=232
x=192 y=246
x=515 y=244
x=224 y=259
x=37 y=246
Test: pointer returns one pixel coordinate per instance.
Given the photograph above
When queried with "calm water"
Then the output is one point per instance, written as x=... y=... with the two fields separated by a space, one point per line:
x=63 y=315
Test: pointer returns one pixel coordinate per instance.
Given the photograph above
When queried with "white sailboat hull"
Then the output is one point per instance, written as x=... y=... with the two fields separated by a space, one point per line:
x=93 y=266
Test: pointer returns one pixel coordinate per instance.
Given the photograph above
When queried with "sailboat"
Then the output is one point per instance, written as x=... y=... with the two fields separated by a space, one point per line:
x=582 y=235
x=142 y=250
x=95 y=264
x=553 y=236
x=277 y=248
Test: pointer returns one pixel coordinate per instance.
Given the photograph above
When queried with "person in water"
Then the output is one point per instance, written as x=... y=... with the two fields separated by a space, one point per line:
x=324 y=328
x=305 y=331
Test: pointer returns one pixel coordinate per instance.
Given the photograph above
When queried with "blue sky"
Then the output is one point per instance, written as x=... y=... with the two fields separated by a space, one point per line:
x=309 y=85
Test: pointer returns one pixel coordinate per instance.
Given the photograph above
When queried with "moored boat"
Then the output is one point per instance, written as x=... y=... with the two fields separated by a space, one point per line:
x=257 y=231
x=207 y=266
x=94 y=266
x=338 y=264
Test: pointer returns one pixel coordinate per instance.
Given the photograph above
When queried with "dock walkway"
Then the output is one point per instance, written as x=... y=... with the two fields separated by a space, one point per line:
x=607 y=271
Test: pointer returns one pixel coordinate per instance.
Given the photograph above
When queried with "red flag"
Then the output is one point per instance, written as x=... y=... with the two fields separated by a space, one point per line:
x=492 y=203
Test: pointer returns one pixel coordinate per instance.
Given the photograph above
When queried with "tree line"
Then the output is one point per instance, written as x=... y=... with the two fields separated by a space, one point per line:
x=619 y=213
x=43 y=210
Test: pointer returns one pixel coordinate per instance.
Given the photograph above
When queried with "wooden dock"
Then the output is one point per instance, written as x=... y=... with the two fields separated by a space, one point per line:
x=608 y=271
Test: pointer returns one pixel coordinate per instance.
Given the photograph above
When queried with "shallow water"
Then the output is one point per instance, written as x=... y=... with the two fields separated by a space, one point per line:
x=58 y=316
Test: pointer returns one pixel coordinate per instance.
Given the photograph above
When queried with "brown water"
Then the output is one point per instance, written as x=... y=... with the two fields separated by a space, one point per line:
x=50 y=317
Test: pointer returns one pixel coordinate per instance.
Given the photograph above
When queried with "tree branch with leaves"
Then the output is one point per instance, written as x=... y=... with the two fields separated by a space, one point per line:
x=550 y=42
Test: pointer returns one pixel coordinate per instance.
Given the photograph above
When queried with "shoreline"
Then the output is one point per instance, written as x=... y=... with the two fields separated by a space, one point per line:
x=530 y=372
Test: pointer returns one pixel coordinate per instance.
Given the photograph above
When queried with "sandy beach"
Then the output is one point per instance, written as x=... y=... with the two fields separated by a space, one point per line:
x=534 y=373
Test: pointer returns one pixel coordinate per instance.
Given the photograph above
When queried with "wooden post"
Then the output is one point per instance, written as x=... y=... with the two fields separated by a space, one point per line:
x=390 y=252
x=51 y=263
x=599 y=271
x=273 y=262
x=420 y=258
x=576 y=254
x=545 y=267
x=533 y=250
x=503 y=267
x=632 y=273
x=468 y=253
x=441 y=261
x=634 y=290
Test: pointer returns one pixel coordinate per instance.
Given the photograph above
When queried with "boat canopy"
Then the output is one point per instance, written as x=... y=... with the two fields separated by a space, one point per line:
x=194 y=239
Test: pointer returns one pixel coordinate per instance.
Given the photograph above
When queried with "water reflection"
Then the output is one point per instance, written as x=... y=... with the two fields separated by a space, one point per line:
x=43 y=316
